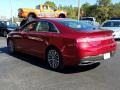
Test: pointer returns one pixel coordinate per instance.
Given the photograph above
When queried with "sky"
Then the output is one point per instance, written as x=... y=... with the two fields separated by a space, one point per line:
x=5 y=5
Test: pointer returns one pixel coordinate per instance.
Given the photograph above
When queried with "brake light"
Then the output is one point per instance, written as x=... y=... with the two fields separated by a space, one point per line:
x=87 y=39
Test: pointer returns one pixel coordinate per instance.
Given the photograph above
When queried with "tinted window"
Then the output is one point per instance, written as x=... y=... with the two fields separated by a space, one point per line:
x=8 y=24
x=52 y=28
x=115 y=18
x=116 y=24
x=107 y=24
x=44 y=7
x=53 y=8
x=38 y=7
x=2 y=24
x=30 y=27
x=77 y=25
x=112 y=24
x=42 y=26
x=46 y=27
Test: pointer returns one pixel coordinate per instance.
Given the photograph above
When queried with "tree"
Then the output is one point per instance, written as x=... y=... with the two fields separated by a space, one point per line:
x=103 y=9
x=86 y=9
x=71 y=11
x=50 y=3
x=115 y=10
x=89 y=10
x=104 y=2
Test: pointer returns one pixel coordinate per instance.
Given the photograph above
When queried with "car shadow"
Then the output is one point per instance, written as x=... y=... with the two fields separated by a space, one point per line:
x=39 y=62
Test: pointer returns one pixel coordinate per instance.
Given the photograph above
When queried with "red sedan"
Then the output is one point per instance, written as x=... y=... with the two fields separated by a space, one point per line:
x=62 y=42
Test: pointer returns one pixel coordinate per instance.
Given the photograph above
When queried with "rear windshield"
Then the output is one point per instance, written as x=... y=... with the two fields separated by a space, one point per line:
x=89 y=19
x=78 y=25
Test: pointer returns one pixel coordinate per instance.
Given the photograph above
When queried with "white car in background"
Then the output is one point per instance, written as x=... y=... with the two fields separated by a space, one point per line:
x=90 y=20
x=113 y=25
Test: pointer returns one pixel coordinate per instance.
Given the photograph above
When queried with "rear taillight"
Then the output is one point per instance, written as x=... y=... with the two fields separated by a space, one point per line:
x=82 y=43
x=93 y=39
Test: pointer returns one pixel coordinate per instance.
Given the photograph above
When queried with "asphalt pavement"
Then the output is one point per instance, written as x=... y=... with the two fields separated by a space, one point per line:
x=25 y=72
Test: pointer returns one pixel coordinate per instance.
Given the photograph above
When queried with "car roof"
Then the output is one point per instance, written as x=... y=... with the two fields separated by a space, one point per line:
x=56 y=19
x=112 y=20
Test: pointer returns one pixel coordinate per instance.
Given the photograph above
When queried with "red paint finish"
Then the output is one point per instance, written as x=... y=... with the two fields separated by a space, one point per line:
x=73 y=45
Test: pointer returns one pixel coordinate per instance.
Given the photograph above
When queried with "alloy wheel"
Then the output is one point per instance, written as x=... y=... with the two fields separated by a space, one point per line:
x=53 y=59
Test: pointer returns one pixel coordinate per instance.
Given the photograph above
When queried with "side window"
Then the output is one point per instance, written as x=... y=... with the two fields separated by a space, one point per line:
x=52 y=28
x=42 y=26
x=30 y=27
x=45 y=7
x=107 y=24
x=38 y=7
x=116 y=24
x=53 y=8
x=2 y=24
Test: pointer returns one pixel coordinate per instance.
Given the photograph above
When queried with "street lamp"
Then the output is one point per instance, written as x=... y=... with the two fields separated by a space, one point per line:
x=78 y=9
x=11 y=11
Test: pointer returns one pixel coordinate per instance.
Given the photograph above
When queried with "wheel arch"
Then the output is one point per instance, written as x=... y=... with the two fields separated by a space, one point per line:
x=62 y=15
x=32 y=13
x=9 y=38
x=52 y=46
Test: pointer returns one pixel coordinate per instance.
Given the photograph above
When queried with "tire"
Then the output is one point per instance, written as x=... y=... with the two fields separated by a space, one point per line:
x=61 y=16
x=4 y=34
x=31 y=17
x=11 y=46
x=54 y=59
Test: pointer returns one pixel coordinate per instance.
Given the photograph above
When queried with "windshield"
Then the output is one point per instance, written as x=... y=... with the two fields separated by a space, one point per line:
x=78 y=25
x=112 y=24
x=3 y=22
x=38 y=7
x=53 y=8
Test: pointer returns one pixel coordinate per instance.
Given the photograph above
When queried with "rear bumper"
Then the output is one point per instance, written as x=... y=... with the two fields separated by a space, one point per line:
x=94 y=59
x=86 y=56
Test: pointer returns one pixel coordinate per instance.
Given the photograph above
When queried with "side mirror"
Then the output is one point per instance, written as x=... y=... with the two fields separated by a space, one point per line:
x=17 y=29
